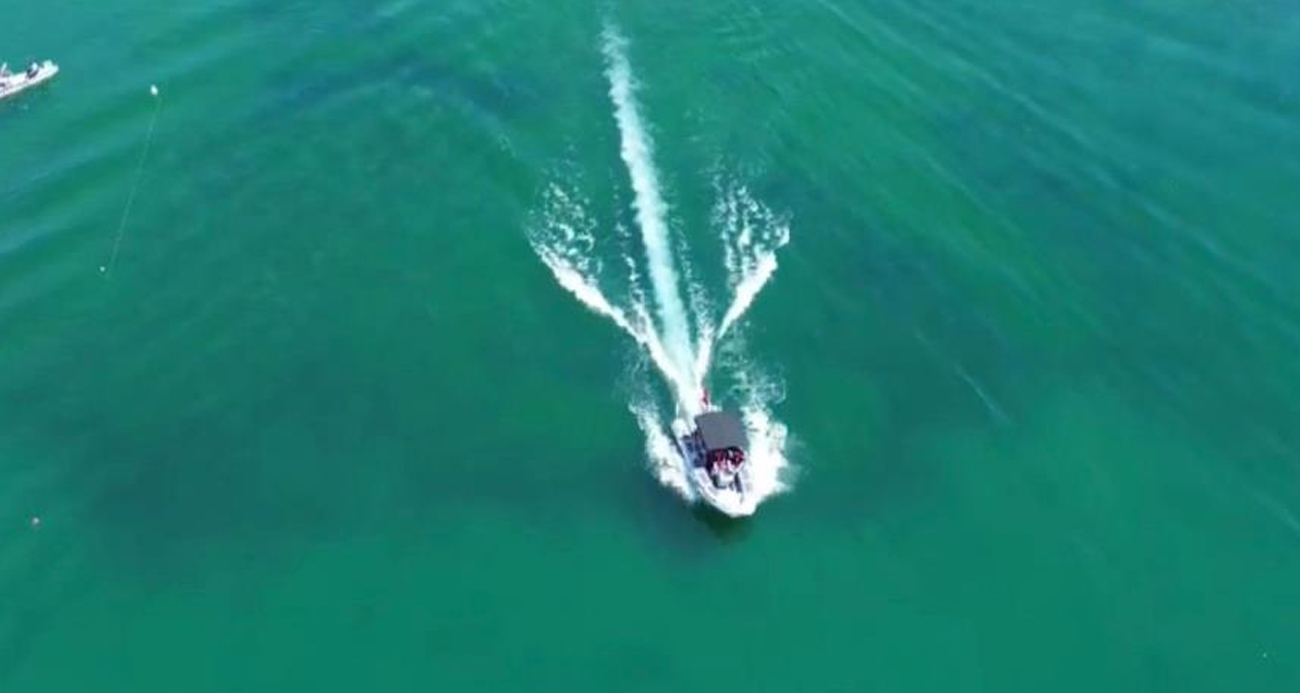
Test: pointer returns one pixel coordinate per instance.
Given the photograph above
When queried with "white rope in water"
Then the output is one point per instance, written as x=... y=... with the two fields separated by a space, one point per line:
x=135 y=184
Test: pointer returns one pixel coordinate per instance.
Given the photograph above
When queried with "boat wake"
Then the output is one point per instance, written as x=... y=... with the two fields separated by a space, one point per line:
x=684 y=340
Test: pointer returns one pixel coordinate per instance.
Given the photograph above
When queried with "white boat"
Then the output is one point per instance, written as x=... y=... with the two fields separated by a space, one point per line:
x=12 y=83
x=713 y=445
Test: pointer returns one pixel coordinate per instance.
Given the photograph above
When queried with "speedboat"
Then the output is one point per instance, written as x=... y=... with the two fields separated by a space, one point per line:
x=38 y=73
x=713 y=444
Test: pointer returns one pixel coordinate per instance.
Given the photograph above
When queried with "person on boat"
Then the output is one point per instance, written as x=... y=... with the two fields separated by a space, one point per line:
x=4 y=69
x=31 y=71
x=720 y=466
x=733 y=461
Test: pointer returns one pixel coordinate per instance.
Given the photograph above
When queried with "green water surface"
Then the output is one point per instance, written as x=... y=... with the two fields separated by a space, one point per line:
x=329 y=425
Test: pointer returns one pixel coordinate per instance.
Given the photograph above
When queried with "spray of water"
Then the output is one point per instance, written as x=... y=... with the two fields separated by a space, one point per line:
x=565 y=237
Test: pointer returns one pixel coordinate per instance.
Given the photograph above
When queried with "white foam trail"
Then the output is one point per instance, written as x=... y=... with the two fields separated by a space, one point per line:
x=752 y=235
x=665 y=461
x=578 y=285
x=566 y=242
x=637 y=151
x=747 y=290
x=586 y=292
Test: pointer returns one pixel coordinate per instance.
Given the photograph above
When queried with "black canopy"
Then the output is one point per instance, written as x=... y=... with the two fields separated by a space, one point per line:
x=720 y=430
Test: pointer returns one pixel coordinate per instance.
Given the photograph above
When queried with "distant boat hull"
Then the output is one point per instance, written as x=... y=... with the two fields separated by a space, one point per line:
x=16 y=83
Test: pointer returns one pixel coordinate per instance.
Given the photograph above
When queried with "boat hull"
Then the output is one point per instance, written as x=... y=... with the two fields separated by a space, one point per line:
x=17 y=83
x=728 y=501
x=735 y=500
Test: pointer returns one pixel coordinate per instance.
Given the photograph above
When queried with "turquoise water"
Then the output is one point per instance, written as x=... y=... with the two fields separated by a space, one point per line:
x=330 y=423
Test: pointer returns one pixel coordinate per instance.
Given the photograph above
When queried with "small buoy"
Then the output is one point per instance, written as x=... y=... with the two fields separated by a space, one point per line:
x=36 y=521
x=102 y=269
x=153 y=89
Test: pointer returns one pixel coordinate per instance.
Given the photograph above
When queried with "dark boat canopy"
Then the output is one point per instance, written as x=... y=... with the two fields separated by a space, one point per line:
x=719 y=430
